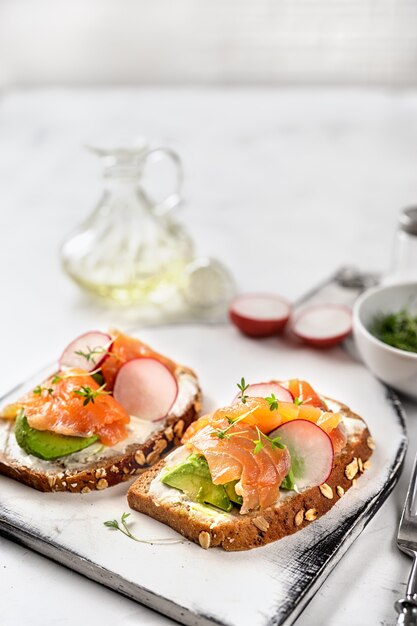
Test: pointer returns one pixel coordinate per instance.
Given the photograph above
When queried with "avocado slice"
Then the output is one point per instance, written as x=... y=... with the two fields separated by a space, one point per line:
x=99 y=378
x=231 y=492
x=289 y=481
x=46 y=444
x=194 y=479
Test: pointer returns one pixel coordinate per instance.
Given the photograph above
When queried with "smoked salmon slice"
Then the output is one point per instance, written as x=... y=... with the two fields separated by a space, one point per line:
x=302 y=390
x=61 y=405
x=257 y=411
x=126 y=348
x=234 y=457
x=338 y=438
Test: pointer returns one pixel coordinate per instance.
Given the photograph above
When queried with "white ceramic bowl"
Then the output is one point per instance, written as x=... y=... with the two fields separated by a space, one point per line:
x=397 y=368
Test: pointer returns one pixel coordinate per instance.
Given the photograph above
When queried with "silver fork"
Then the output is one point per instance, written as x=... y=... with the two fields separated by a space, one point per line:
x=407 y=542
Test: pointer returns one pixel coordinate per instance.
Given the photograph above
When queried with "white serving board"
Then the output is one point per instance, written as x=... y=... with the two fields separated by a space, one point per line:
x=264 y=586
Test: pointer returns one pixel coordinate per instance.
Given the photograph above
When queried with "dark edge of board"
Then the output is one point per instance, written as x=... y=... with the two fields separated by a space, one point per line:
x=336 y=546
x=74 y=562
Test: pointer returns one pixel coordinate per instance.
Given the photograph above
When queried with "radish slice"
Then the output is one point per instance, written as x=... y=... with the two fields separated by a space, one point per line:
x=146 y=388
x=259 y=315
x=311 y=451
x=264 y=390
x=324 y=325
x=94 y=345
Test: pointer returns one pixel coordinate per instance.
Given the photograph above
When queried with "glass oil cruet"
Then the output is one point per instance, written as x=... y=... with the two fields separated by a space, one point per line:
x=130 y=250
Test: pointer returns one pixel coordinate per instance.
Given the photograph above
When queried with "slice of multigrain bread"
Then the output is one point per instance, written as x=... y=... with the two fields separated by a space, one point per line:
x=98 y=466
x=233 y=531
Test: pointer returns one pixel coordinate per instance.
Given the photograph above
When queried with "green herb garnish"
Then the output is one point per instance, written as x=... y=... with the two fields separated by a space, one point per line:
x=113 y=524
x=273 y=402
x=243 y=386
x=398 y=330
x=275 y=442
x=223 y=433
x=38 y=390
x=90 y=353
x=89 y=394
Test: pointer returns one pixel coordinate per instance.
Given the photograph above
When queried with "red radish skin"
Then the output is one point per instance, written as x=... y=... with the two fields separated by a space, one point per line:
x=323 y=326
x=259 y=315
x=146 y=388
x=92 y=340
x=307 y=441
x=264 y=390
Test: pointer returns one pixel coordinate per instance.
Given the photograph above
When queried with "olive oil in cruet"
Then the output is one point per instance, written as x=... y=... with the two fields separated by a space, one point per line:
x=130 y=249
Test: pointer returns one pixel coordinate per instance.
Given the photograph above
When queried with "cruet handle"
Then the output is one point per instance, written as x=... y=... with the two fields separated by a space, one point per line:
x=162 y=206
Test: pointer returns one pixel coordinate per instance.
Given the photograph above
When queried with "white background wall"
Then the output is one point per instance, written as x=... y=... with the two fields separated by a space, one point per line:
x=363 y=42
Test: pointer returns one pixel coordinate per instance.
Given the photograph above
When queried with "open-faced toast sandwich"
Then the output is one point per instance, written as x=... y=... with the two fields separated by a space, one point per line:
x=111 y=409
x=258 y=470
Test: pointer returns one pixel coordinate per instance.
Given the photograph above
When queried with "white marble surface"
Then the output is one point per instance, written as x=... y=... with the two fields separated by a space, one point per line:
x=282 y=186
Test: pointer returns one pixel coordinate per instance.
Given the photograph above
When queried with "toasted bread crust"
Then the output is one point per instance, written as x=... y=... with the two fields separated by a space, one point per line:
x=244 y=532
x=111 y=470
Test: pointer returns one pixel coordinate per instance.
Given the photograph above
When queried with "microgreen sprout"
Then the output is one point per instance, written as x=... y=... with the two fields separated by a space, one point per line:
x=89 y=394
x=243 y=386
x=258 y=445
x=113 y=524
x=275 y=442
x=38 y=390
x=273 y=402
x=221 y=434
x=90 y=353
x=224 y=433
x=298 y=401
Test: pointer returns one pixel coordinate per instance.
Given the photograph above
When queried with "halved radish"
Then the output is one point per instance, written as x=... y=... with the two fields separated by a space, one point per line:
x=87 y=352
x=146 y=388
x=264 y=390
x=259 y=315
x=323 y=325
x=311 y=451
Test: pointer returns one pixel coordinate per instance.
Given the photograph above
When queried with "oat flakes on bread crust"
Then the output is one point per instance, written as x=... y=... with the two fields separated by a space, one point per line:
x=108 y=471
x=243 y=532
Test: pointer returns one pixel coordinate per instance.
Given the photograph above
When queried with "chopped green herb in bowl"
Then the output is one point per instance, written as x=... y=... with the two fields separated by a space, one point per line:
x=385 y=334
x=398 y=330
